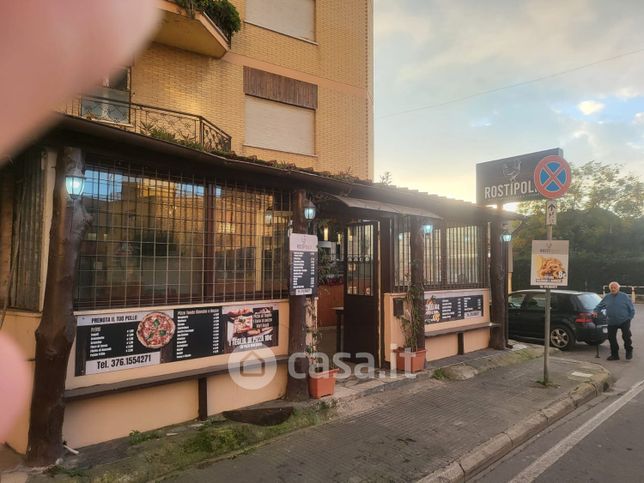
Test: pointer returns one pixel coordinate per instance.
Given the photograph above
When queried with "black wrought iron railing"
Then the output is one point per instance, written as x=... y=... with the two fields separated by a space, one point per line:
x=174 y=126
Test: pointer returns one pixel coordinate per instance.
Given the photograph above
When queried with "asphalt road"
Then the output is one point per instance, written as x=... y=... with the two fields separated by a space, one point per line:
x=601 y=441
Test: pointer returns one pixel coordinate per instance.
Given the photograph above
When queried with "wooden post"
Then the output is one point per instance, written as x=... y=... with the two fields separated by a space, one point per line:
x=57 y=328
x=417 y=252
x=497 y=286
x=298 y=389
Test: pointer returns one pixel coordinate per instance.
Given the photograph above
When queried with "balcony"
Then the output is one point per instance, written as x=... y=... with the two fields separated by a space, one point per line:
x=174 y=126
x=194 y=33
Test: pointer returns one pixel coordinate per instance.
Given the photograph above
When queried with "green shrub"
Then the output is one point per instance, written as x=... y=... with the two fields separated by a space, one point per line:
x=222 y=12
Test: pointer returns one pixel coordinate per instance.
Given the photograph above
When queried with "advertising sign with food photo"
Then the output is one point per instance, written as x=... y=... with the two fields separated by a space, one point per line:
x=549 y=266
x=112 y=342
x=250 y=326
x=444 y=307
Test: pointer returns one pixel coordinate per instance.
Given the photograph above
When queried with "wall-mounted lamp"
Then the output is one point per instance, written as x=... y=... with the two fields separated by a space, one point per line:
x=309 y=210
x=75 y=183
x=506 y=237
x=428 y=228
x=268 y=217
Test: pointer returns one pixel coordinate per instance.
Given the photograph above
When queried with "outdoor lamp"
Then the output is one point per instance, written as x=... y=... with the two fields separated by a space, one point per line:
x=506 y=237
x=309 y=210
x=75 y=183
x=268 y=216
x=428 y=228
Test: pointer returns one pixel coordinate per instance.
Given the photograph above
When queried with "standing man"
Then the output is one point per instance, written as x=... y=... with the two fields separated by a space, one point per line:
x=619 y=312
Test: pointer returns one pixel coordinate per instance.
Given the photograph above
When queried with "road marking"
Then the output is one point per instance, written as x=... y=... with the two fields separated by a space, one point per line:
x=552 y=456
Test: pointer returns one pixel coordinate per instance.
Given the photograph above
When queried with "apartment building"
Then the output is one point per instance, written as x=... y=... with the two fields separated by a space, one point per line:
x=294 y=84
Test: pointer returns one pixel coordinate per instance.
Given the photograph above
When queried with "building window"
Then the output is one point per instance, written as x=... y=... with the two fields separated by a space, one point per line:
x=454 y=256
x=111 y=101
x=166 y=239
x=465 y=260
x=279 y=112
x=277 y=126
x=295 y=18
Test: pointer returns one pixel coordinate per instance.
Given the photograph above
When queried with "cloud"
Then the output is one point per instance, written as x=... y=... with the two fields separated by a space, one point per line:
x=590 y=107
x=638 y=118
x=391 y=19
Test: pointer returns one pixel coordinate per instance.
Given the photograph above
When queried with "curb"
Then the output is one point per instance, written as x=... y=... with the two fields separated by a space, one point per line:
x=455 y=371
x=483 y=455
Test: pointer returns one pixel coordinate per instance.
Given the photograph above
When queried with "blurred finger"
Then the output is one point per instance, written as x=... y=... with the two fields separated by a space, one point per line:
x=50 y=51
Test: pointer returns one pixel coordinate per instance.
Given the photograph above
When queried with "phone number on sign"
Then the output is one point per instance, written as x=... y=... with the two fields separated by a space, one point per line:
x=124 y=362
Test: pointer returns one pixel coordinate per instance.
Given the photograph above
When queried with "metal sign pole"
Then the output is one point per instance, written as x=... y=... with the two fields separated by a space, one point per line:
x=551 y=219
x=546 y=335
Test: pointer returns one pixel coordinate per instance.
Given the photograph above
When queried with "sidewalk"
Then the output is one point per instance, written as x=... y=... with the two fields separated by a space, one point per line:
x=401 y=429
x=447 y=430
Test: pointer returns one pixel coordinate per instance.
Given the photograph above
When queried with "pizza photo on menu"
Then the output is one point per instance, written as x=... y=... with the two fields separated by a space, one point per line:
x=155 y=330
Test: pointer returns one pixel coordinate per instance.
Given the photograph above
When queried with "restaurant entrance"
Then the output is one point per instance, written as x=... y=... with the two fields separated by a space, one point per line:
x=361 y=297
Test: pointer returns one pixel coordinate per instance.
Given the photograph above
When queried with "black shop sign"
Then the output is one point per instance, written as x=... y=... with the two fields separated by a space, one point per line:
x=117 y=341
x=509 y=179
x=448 y=308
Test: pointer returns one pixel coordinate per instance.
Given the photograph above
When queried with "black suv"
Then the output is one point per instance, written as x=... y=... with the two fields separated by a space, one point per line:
x=571 y=317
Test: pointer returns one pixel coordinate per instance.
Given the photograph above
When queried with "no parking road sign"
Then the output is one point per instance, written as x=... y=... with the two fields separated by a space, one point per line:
x=552 y=176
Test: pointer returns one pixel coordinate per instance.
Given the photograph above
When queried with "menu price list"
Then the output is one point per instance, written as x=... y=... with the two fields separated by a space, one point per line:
x=473 y=306
x=303 y=273
x=445 y=309
x=198 y=333
x=109 y=342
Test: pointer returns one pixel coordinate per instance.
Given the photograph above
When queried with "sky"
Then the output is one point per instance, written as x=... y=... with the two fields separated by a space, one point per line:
x=461 y=82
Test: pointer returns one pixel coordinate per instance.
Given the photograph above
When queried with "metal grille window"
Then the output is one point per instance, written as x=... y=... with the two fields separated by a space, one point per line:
x=402 y=255
x=454 y=257
x=465 y=260
x=161 y=239
x=360 y=260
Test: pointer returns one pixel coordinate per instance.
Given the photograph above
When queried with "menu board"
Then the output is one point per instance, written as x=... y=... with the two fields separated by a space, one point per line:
x=112 y=342
x=445 y=309
x=303 y=257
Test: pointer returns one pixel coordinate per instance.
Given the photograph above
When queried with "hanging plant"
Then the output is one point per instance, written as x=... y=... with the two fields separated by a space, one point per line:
x=222 y=12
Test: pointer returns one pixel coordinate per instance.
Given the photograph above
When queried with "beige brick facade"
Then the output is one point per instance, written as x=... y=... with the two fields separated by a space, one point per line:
x=339 y=62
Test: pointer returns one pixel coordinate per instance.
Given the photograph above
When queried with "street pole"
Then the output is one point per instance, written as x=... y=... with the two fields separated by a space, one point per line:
x=546 y=335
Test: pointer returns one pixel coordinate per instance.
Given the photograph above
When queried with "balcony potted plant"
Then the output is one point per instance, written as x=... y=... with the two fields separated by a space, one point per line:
x=410 y=357
x=322 y=374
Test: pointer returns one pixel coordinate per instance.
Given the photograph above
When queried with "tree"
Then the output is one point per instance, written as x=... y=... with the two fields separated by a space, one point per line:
x=598 y=185
x=602 y=216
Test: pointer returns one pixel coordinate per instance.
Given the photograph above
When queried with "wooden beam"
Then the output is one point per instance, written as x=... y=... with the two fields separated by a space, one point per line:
x=497 y=287
x=202 y=384
x=297 y=389
x=417 y=255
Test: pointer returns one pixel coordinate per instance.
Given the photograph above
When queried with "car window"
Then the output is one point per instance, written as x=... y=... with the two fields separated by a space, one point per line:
x=589 y=300
x=515 y=300
x=536 y=302
x=560 y=303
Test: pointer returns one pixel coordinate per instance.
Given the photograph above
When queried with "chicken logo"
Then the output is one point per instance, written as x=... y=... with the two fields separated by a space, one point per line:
x=511 y=169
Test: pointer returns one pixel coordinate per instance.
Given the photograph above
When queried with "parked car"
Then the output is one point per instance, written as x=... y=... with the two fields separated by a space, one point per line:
x=571 y=318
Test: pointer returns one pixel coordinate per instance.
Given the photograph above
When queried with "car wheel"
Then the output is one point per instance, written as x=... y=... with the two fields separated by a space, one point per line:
x=562 y=338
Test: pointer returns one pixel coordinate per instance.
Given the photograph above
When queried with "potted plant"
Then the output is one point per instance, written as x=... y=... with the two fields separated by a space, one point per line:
x=321 y=373
x=409 y=357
